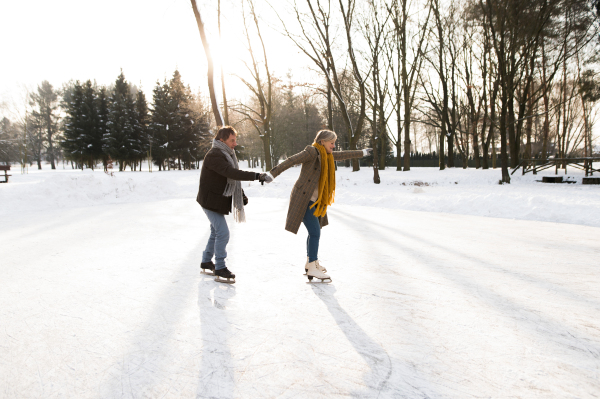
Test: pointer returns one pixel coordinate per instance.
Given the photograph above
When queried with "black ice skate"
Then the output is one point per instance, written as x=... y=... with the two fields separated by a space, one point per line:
x=224 y=276
x=207 y=267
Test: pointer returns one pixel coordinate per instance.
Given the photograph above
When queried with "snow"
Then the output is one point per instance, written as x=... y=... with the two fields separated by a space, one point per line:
x=445 y=285
x=468 y=192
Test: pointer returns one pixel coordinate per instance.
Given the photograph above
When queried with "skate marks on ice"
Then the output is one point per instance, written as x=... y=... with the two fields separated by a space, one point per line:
x=217 y=372
x=374 y=355
x=99 y=311
x=518 y=317
x=157 y=360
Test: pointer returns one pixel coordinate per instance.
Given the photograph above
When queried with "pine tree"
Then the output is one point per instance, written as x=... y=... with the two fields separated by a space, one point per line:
x=189 y=128
x=178 y=132
x=73 y=129
x=159 y=126
x=181 y=130
x=119 y=143
x=200 y=137
x=140 y=127
x=91 y=135
x=102 y=103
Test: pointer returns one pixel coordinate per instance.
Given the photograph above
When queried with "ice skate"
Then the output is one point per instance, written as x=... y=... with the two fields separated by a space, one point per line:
x=207 y=267
x=313 y=271
x=319 y=267
x=224 y=276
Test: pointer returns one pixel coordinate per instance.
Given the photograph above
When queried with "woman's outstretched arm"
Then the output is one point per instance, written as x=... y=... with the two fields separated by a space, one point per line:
x=341 y=155
x=303 y=156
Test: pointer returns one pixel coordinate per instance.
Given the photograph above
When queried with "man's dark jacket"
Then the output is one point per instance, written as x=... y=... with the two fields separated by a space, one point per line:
x=213 y=179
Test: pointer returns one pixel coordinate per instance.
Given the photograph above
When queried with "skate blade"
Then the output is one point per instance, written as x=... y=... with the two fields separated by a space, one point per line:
x=225 y=280
x=207 y=271
x=321 y=280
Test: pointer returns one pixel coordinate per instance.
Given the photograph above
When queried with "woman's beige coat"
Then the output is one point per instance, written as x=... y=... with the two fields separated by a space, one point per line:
x=307 y=182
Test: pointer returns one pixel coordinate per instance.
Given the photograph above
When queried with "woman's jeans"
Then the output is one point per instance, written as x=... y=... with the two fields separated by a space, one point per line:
x=219 y=237
x=314 y=232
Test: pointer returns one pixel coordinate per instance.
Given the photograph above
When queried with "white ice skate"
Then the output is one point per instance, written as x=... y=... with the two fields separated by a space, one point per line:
x=319 y=266
x=313 y=271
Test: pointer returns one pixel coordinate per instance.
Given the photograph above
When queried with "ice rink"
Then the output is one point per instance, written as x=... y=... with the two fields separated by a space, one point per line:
x=107 y=301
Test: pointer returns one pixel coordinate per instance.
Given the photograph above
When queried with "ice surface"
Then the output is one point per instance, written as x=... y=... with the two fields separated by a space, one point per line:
x=101 y=294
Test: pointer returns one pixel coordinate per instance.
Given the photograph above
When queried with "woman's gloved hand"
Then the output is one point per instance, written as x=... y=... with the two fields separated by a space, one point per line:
x=265 y=177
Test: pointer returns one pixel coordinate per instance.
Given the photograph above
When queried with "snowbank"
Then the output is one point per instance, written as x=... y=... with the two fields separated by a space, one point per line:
x=458 y=191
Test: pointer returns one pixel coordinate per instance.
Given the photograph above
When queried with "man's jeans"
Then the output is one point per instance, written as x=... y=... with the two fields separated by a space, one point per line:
x=219 y=237
x=314 y=233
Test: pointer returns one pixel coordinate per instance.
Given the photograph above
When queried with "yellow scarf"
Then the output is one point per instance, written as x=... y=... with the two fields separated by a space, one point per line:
x=326 y=182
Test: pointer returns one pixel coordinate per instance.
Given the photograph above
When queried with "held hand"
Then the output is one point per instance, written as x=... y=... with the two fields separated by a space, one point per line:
x=367 y=151
x=265 y=177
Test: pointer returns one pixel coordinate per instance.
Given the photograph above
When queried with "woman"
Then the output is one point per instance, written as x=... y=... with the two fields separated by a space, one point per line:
x=313 y=193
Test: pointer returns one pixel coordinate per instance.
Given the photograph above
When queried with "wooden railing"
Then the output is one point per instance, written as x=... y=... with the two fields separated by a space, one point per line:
x=536 y=165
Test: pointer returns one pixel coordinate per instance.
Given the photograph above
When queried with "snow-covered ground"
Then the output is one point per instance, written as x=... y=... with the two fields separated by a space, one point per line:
x=468 y=192
x=445 y=285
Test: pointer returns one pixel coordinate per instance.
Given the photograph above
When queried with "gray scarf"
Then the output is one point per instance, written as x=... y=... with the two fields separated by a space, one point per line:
x=233 y=187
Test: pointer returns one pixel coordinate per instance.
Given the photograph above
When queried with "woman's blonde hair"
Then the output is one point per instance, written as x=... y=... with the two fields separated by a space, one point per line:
x=325 y=135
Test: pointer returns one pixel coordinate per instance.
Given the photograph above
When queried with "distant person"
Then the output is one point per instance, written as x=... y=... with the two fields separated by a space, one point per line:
x=313 y=193
x=220 y=189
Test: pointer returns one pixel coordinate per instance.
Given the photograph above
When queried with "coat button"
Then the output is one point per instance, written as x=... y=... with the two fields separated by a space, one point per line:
x=308 y=179
x=303 y=192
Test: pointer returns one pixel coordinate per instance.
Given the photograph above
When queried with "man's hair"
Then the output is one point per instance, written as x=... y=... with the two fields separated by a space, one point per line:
x=325 y=135
x=224 y=133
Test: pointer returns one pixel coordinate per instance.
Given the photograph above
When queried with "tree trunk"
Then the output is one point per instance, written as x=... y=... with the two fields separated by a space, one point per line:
x=450 y=139
x=210 y=74
x=503 y=145
x=545 y=97
x=376 y=178
x=406 y=92
x=267 y=149
x=442 y=153
x=529 y=125
x=510 y=125
x=399 y=136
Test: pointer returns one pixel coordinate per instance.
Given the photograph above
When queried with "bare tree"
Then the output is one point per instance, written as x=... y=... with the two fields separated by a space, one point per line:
x=225 y=108
x=405 y=72
x=261 y=88
x=210 y=73
x=316 y=42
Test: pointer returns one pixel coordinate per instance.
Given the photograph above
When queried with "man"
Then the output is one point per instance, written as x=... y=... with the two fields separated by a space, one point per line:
x=220 y=189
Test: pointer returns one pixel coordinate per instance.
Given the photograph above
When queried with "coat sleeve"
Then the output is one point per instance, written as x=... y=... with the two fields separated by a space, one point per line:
x=301 y=157
x=341 y=155
x=219 y=164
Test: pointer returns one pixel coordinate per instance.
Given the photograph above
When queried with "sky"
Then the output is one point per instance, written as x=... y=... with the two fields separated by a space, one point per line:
x=63 y=40
x=66 y=39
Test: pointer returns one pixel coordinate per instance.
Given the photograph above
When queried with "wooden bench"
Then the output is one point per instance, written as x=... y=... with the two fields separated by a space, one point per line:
x=5 y=168
x=591 y=180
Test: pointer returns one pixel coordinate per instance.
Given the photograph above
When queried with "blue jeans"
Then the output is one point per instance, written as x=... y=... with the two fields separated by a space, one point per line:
x=314 y=233
x=219 y=237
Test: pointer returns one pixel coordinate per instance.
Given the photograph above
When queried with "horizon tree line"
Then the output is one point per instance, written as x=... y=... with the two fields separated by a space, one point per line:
x=494 y=81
